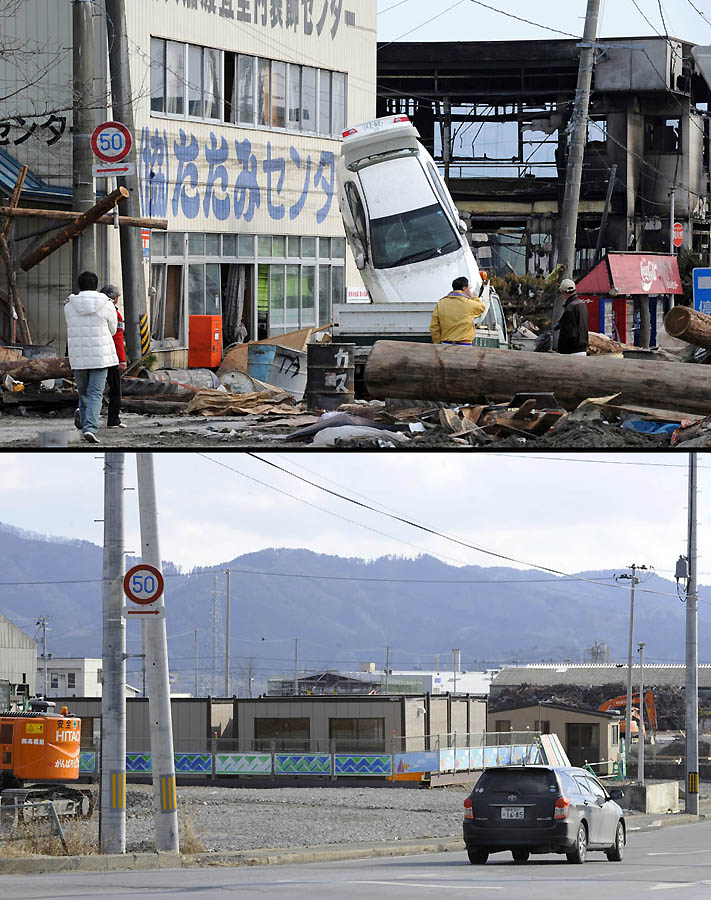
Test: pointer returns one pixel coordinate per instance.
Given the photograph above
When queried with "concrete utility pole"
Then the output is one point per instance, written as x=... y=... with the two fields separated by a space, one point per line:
x=628 y=715
x=692 y=657
x=227 y=635
x=112 y=817
x=574 y=169
x=640 y=732
x=672 y=216
x=156 y=649
x=296 y=667
x=387 y=667
x=84 y=122
x=133 y=276
x=195 y=649
x=42 y=622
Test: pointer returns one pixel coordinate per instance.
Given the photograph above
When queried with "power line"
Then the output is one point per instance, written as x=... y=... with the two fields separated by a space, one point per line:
x=696 y=8
x=526 y=21
x=421 y=25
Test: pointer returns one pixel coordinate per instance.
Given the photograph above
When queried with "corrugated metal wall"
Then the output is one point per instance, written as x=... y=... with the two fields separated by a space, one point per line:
x=18 y=654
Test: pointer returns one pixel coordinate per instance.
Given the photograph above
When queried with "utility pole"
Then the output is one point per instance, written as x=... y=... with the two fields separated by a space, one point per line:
x=456 y=654
x=633 y=580
x=227 y=636
x=112 y=816
x=42 y=622
x=387 y=668
x=296 y=667
x=641 y=729
x=605 y=213
x=132 y=272
x=195 y=648
x=574 y=168
x=672 y=216
x=165 y=805
x=84 y=122
x=692 y=657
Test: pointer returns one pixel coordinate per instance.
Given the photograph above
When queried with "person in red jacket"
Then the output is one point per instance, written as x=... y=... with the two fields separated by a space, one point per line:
x=113 y=379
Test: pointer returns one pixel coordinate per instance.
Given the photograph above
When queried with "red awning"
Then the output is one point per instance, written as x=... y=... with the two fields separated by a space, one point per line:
x=633 y=273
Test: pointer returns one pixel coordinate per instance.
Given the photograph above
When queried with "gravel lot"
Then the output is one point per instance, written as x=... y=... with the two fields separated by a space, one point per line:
x=251 y=818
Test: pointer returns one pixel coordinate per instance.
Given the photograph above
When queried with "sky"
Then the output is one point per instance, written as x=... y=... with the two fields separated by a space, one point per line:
x=569 y=512
x=467 y=20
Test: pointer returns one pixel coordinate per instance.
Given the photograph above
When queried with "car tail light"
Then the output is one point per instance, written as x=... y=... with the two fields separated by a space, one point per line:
x=468 y=808
x=561 y=808
x=350 y=132
x=401 y=119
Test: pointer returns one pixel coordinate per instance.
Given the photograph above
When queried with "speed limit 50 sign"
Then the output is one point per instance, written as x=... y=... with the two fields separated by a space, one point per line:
x=111 y=142
x=143 y=585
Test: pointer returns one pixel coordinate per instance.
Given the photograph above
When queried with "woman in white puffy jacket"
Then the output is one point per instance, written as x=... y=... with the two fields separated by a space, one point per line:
x=91 y=325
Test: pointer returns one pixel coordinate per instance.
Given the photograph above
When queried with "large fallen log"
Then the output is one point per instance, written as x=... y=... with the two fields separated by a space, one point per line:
x=166 y=407
x=688 y=325
x=30 y=370
x=402 y=369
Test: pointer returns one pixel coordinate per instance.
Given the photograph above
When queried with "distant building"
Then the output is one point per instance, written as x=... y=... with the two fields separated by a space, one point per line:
x=397 y=681
x=18 y=655
x=73 y=676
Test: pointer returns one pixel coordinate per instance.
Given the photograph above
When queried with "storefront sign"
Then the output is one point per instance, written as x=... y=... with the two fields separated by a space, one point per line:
x=310 y=17
x=179 y=175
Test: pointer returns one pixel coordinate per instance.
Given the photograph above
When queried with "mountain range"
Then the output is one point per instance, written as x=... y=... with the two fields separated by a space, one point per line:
x=343 y=611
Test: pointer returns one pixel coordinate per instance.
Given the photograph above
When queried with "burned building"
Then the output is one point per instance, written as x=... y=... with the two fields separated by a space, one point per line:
x=496 y=117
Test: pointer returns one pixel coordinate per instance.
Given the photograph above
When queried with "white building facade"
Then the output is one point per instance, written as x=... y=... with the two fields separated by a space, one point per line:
x=239 y=106
x=73 y=677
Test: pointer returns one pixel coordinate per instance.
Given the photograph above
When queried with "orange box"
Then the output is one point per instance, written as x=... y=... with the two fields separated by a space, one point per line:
x=205 y=342
x=40 y=747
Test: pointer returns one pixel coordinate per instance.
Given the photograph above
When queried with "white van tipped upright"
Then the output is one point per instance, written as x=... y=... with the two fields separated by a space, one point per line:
x=404 y=230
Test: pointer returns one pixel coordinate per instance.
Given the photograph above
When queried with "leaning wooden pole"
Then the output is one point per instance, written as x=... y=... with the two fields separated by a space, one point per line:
x=15 y=300
x=468 y=374
x=80 y=224
x=689 y=325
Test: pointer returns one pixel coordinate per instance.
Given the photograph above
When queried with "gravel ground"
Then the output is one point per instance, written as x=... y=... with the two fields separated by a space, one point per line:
x=251 y=818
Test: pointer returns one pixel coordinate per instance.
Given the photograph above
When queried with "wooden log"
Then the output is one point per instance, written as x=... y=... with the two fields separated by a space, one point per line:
x=466 y=374
x=60 y=214
x=688 y=325
x=15 y=198
x=74 y=228
x=30 y=370
x=15 y=300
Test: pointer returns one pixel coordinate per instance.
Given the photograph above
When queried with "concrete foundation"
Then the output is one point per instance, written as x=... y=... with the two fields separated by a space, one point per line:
x=662 y=797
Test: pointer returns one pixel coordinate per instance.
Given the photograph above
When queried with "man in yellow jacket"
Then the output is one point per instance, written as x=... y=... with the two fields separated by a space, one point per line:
x=453 y=317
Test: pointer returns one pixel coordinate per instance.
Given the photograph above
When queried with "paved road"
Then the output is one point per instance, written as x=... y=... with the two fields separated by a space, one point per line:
x=669 y=863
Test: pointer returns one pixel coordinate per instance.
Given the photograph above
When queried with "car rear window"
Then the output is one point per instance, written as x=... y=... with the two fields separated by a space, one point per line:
x=530 y=782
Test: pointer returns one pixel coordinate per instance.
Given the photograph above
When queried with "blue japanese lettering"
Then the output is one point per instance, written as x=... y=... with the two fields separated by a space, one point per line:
x=186 y=153
x=328 y=160
x=295 y=210
x=154 y=173
x=247 y=192
x=271 y=165
x=217 y=172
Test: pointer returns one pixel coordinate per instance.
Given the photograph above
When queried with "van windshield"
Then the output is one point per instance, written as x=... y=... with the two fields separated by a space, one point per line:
x=411 y=237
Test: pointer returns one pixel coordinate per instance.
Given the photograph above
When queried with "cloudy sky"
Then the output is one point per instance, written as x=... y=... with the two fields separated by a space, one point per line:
x=568 y=512
x=457 y=20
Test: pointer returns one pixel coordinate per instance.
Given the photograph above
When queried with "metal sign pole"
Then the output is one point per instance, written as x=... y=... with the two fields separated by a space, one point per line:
x=156 y=649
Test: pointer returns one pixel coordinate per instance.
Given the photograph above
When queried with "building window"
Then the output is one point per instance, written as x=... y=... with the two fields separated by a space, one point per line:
x=54 y=680
x=542 y=726
x=357 y=735
x=615 y=735
x=503 y=726
x=282 y=734
x=215 y=85
x=71 y=679
x=662 y=135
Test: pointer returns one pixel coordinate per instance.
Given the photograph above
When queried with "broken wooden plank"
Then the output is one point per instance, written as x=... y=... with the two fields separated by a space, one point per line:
x=67 y=215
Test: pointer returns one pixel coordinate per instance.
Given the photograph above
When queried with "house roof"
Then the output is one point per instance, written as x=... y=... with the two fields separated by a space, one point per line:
x=35 y=188
x=562 y=706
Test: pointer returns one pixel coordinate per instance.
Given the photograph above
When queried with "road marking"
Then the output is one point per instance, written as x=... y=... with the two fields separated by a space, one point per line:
x=458 y=887
x=672 y=885
x=675 y=853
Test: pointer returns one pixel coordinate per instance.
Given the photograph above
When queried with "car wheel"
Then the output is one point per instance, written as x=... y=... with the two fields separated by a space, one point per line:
x=581 y=846
x=521 y=856
x=477 y=857
x=617 y=851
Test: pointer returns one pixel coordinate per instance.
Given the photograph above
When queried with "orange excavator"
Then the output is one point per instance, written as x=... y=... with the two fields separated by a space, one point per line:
x=39 y=750
x=621 y=704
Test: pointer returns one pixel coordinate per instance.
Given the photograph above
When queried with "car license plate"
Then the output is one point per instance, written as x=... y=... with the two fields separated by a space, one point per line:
x=511 y=812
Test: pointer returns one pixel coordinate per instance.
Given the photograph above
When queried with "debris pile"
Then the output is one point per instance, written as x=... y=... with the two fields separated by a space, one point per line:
x=669 y=701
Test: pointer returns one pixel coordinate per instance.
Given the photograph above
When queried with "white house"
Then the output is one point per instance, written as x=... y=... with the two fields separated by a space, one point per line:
x=76 y=676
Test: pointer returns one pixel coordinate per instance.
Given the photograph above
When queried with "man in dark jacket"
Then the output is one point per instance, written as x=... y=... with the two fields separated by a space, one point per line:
x=573 y=326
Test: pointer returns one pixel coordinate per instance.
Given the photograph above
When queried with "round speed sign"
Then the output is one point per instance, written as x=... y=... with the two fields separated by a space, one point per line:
x=143 y=584
x=111 y=142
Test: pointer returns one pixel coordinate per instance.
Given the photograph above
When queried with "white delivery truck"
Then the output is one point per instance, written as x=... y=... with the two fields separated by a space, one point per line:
x=407 y=238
